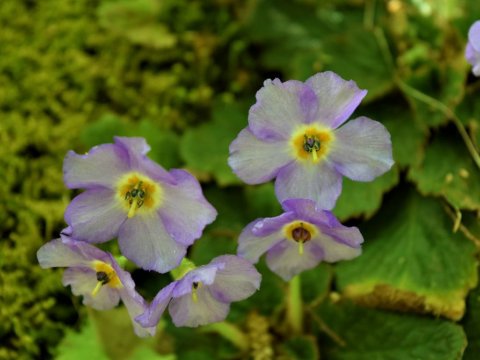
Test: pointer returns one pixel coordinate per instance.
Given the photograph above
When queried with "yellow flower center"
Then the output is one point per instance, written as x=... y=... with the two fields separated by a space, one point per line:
x=311 y=142
x=106 y=275
x=138 y=193
x=195 y=286
x=300 y=232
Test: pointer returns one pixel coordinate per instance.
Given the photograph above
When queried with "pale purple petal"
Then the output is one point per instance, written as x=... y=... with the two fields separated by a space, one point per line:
x=95 y=215
x=267 y=226
x=154 y=312
x=257 y=161
x=337 y=98
x=102 y=166
x=285 y=260
x=203 y=274
x=83 y=281
x=362 y=149
x=318 y=182
x=67 y=253
x=236 y=280
x=251 y=246
x=339 y=244
x=185 y=211
x=280 y=107
x=136 y=149
x=473 y=57
x=474 y=36
x=307 y=210
x=133 y=301
x=144 y=240
x=187 y=312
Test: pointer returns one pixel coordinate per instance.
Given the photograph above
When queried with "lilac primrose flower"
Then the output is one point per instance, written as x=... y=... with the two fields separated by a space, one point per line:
x=204 y=294
x=299 y=239
x=155 y=214
x=95 y=275
x=472 y=53
x=293 y=136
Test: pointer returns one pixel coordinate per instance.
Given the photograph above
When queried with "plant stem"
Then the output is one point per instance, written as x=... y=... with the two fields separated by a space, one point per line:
x=445 y=110
x=229 y=332
x=294 y=305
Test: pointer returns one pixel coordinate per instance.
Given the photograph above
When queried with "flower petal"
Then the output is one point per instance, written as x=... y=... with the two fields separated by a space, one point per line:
x=185 y=211
x=285 y=260
x=154 y=312
x=236 y=280
x=95 y=215
x=279 y=108
x=337 y=98
x=257 y=161
x=187 y=312
x=362 y=150
x=203 y=274
x=474 y=36
x=318 y=182
x=342 y=243
x=251 y=246
x=101 y=166
x=306 y=209
x=136 y=149
x=144 y=240
x=68 y=253
x=83 y=281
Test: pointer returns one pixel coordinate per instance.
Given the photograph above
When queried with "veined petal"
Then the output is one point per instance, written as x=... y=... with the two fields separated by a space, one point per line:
x=136 y=149
x=68 y=253
x=251 y=246
x=318 y=182
x=102 y=166
x=256 y=161
x=337 y=98
x=203 y=274
x=285 y=260
x=144 y=240
x=154 y=312
x=95 y=215
x=185 y=211
x=83 y=281
x=474 y=36
x=133 y=301
x=279 y=108
x=306 y=209
x=340 y=244
x=362 y=150
x=187 y=312
x=236 y=280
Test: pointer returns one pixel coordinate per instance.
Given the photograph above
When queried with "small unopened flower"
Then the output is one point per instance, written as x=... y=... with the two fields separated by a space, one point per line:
x=472 y=52
x=299 y=239
x=95 y=275
x=203 y=295
x=293 y=135
x=155 y=214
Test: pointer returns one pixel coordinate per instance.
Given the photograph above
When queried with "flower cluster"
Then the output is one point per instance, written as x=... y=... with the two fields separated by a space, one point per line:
x=294 y=134
x=155 y=214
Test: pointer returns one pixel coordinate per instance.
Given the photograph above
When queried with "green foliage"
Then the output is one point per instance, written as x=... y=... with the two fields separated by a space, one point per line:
x=368 y=334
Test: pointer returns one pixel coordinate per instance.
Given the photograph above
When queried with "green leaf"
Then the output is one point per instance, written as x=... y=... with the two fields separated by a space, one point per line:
x=316 y=282
x=373 y=334
x=364 y=198
x=449 y=171
x=411 y=259
x=301 y=348
x=205 y=148
x=471 y=324
x=102 y=131
x=81 y=345
x=262 y=201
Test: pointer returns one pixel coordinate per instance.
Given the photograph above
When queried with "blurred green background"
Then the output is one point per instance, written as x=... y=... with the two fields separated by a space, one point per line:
x=182 y=74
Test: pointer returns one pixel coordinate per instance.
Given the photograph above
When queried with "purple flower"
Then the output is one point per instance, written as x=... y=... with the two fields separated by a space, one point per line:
x=299 y=239
x=472 y=52
x=155 y=214
x=204 y=294
x=95 y=275
x=293 y=136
